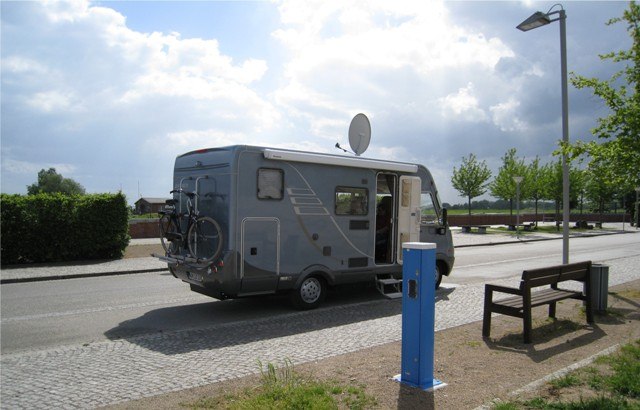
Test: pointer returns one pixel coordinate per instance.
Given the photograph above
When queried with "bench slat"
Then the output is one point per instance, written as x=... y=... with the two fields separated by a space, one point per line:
x=555 y=274
x=539 y=298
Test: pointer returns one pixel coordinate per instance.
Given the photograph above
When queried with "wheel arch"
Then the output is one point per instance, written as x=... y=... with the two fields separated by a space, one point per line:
x=320 y=271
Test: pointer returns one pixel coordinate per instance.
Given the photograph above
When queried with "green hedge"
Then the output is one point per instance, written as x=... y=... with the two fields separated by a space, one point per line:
x=57 y=227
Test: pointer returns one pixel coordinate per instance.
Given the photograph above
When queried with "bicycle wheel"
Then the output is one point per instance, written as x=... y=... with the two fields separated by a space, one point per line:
x=169 y=234
x=205 y=239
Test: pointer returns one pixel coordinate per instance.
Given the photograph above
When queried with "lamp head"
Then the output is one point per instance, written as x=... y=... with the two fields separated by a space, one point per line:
x=537 y=19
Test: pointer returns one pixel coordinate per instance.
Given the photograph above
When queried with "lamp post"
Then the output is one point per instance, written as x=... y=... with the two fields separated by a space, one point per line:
x=637 y=207
x=539 y=19
x=517 y=180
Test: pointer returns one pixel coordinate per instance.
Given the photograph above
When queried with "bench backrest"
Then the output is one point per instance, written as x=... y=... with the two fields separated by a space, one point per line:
x=554 y=274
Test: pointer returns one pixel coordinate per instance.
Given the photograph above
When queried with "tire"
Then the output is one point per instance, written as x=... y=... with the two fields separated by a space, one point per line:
x=310 y=293
x=205 y=239
x=168 y=229
x=438 y=278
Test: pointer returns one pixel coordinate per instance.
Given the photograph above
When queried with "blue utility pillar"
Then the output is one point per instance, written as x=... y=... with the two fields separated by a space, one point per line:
x=418 y=315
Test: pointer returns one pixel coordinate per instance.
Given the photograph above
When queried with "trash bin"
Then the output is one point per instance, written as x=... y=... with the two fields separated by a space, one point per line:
x=600 y=285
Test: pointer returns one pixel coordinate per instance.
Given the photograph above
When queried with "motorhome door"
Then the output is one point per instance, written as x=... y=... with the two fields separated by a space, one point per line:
x=260 y=265
x=408 y=212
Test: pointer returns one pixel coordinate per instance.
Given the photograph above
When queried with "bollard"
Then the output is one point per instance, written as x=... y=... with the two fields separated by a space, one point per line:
x=418 y=315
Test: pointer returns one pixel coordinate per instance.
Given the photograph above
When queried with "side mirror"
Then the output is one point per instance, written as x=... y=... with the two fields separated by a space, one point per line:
x=443 y=229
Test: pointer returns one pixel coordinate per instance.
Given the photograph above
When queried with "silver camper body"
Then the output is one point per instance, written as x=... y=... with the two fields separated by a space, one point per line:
x=287 y=216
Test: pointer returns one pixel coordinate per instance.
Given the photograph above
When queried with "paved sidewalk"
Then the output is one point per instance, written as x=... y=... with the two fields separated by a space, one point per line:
x=40 y=272
x=83 y=269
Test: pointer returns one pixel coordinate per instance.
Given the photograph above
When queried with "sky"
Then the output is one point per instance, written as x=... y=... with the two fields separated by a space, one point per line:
x=109 y=93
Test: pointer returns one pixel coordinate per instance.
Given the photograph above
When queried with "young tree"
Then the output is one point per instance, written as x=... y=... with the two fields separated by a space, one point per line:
x=554 y=184
x=618 y=144
x=599 y=187
x=503 y=186
x=537 y=176
x=50 y=181
x=471 y=178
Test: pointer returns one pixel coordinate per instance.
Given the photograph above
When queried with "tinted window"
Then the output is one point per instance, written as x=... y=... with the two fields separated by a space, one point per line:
x=270 y=183
x=351 y=201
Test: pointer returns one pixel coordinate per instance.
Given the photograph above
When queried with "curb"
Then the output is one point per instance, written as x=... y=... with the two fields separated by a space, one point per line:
x=506 y=242
x=78 y=276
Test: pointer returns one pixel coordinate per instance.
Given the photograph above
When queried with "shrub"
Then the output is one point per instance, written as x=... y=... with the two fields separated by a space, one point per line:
x=58 y=227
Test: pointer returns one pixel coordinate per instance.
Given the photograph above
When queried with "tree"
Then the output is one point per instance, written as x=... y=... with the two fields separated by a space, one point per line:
x=618 y=146
x=503 y=185
x=537 y=176
x=50 y=181
x=471 y=178
x=554 y=183
x=599 y=187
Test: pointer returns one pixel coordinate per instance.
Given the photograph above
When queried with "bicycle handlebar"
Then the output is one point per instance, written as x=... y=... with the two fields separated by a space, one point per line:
x=182 y=191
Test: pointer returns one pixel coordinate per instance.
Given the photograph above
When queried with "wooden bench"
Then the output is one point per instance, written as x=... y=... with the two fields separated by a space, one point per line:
x=597 y=224
x=529 y=226
x=480 y=228
x=521 y=304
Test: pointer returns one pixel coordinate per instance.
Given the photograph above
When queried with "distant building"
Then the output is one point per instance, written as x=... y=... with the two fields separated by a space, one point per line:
x=149 y=205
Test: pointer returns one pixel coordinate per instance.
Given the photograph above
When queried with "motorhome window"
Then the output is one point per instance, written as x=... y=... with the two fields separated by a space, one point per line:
x=270 y=183
x=428 y=211
x=351 y=201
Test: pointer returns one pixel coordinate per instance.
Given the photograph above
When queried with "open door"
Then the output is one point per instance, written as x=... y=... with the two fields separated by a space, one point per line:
x=385 y=219
x=408 y=212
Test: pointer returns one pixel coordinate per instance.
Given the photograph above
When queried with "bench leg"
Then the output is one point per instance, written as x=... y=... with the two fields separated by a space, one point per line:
x=526 y=322
x=587 y=301
x=486 y=318
x=589 y=309
x=552 y=310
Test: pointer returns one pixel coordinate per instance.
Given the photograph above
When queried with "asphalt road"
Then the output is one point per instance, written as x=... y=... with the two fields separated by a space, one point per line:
x=484 y=263
x=42 y=315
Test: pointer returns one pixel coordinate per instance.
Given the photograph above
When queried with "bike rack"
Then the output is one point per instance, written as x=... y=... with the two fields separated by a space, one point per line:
x=175 y=259
x=196 y=191
x=180 y=196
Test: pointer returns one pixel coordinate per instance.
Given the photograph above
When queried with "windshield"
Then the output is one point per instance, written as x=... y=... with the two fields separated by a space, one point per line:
x=428 y=212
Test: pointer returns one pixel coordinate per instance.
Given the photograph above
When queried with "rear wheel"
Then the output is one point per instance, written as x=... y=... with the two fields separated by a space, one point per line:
x=310 y=293
x=169 y=235
x=438 y=278
x=205 y=239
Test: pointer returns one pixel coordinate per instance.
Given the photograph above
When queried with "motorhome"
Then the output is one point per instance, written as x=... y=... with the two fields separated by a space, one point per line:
x=301 y=222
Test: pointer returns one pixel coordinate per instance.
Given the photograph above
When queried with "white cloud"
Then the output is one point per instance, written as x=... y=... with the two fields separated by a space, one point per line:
x=463 y=105
x=505 y=116
x=49 y=101
x=76 y=74
x=380 y=56
x=32 y=169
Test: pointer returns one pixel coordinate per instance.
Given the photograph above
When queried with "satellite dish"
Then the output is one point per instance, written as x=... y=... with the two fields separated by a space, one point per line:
x=359 y=134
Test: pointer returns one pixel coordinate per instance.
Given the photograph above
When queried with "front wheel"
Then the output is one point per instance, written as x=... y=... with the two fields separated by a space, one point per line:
x=310 y=293
x=205 y=239
x=438 y=277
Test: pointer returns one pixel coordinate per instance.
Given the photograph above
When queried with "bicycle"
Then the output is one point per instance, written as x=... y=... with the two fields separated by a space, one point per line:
x=203 y=233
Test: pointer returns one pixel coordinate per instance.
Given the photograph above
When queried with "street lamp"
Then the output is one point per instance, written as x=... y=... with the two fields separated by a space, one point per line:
x=539 y=19
x=517 y=180
x=637 y=207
